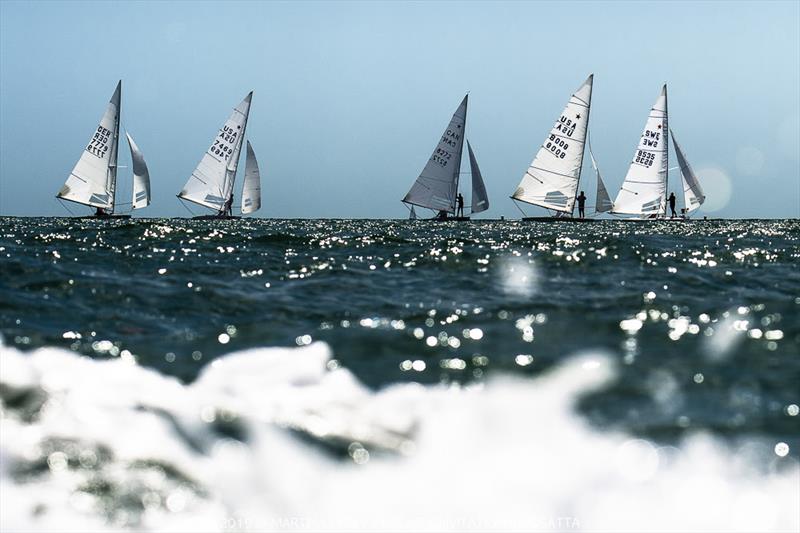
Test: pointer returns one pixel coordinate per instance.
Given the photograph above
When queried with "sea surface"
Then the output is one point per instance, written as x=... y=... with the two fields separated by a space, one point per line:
x=250 y=375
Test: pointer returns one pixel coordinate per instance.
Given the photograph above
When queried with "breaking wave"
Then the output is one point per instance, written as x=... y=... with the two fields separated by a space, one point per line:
x=286 y=439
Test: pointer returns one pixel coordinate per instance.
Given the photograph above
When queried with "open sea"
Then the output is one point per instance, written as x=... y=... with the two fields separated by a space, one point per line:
x=338 y=375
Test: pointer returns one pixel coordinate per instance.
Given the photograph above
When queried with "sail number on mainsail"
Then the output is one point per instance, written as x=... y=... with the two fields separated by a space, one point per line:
x=557 y=143
x=442 y=156
x=98 y=146
x=224 y=143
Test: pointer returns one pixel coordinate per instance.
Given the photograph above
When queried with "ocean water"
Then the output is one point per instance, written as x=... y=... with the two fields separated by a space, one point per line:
x=356 y=374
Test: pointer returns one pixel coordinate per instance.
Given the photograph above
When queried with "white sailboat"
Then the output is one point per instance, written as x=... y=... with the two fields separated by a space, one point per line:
x=93 y=181
x=436 y=187
x=552 y=178
x=644 y=191
x=212 y=182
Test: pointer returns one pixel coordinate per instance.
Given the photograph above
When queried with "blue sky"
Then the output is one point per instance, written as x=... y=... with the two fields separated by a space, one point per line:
x=350 y=98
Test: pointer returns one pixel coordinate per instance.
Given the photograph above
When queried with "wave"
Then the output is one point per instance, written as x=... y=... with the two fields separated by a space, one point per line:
x=277 y=439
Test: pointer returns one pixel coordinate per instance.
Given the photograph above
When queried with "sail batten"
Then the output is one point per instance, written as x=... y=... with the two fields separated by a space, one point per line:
x=251 y=190
x=437 y=185
x=644 y=190
x=93 y=180
x=551 y=180
x=211 y=183
x=693 y=195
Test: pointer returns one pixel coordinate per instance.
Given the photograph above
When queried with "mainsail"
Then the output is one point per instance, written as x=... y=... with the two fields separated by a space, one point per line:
x=141 y=177
x=437 y=185
x=602 y=200
x=251 y=191
x=551 y=181
x=644 y=191
x=692 y=192
x=211 y=183
x=94 y=178
x=480 y=200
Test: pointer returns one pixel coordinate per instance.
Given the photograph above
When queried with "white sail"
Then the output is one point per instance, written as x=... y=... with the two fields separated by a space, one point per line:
x=551 y=181
x=141 y=177
x=251 y=191
x=602 y=200
x=211 y=183
x=644 y=191
x=692 y=192
x=480 y=200
x=93 y=180
x=412 y=215
x=437 y=185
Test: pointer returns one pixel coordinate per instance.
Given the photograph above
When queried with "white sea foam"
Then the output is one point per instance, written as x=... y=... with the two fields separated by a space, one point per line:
x=270 y=439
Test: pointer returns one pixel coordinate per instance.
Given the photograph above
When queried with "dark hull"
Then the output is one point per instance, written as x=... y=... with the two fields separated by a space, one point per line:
x=216 y=217
x=450 y=219
x=104 y=217
x=557 y=219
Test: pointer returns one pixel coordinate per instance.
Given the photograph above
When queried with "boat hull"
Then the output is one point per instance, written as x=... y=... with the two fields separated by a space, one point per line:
x=216 y=217
x=104 y=217
x=450 y=219
x=557 y=219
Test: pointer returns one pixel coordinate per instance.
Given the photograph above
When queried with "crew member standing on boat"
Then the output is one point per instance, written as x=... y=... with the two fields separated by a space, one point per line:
x=460 y=211
x=228 y=209
x=672 y=204
x=582 y=205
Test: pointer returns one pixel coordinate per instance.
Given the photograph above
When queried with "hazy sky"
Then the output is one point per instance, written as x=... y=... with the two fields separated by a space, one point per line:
x=350 y=98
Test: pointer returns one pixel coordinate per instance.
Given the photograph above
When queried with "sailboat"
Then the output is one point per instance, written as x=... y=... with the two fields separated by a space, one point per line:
x=552 y=178
x=93 y=181
x=644 y=190
x=436 y=187
x=211 y=183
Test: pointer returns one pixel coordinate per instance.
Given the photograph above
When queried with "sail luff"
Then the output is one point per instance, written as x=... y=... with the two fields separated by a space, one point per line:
x=436 y=186
x=644 y=190
x=551 y=180
x=692 y=192
x=112 y=167
x=480 y=200
x=91 y=181
x=141 y=176
x=583 y=145
x=251 y=189
x=665 y=166
x=231 y=170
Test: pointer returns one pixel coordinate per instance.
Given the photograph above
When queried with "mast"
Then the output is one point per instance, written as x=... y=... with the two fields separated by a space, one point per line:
x=460 y=152
x=230 y=171
x=666 y=150
x=590 y=81
x=112 y=166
